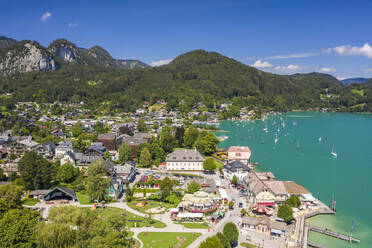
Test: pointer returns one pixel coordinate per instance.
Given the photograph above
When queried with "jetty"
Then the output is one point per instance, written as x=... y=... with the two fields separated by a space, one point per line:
x=331 y=233
x=306 y=227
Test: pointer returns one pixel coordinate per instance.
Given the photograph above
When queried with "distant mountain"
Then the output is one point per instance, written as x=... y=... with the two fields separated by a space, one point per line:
x=6 y=42
x=24 y=56
x=354 y=81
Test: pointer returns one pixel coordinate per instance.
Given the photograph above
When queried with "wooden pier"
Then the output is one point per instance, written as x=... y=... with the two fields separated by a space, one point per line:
x=333 y=234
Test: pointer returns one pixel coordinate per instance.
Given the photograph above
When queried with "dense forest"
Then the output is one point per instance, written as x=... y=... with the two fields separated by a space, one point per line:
x=192 y=78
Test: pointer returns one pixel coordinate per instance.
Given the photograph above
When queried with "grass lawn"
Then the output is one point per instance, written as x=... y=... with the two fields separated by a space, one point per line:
x=130 y=217
x=30 y=201
x=84 y=198
x=244 y=244
x=150 y=204
x=218 y=164
x=196 y=225
x=156 y=107
x=166 y=239
x=359 y=92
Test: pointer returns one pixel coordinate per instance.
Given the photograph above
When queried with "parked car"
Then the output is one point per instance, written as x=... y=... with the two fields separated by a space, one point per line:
x=240 y=204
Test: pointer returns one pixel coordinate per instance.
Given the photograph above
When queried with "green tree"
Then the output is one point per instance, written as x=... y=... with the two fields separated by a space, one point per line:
x=180 y=132
x=145 y=158
x=11 y=195
x=157 y=152
x=293 y=201
x=224 y=241
x=243 y=212
x=141 y=126
x=36 y=172
x=67 y=173
x=209 y=164
x=17 y=228
x=128 y=193
x=107 y=155
x=285 y=212
x=192 y=187
x=126 y=130
x=206 y=143
x=77 y=129
x=124 y=153
x=54 y=235
x=2 y=175
x=166 y=186
x=191 y=135
x=234 y=180
x=231 y=232
x=211 y=242
x=97 y=180
x=81 y=143
x=167 y=140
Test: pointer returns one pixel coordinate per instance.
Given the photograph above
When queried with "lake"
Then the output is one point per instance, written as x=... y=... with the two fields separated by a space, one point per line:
x=299 y=155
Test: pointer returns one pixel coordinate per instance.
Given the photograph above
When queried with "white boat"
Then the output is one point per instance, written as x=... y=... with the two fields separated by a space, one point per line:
x=333 y=153
x=283 y=124
x=276 y=139
x=298 y=145
x=320 y=139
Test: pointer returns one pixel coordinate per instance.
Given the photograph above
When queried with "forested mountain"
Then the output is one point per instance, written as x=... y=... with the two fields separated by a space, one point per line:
x=26 y=56
x=191 y=78
x=354 y=80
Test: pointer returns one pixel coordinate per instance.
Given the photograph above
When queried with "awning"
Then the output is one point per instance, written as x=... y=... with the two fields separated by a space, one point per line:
x=276 y=231
x=266 y=203
x=174 y=210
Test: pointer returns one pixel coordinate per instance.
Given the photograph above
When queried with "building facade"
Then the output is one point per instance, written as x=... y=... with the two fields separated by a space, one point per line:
x=185 y=160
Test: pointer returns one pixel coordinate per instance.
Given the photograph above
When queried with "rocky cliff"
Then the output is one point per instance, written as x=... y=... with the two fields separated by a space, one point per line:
x=24 y=56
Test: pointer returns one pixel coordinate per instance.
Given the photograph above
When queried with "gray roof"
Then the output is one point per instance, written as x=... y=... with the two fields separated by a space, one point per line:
x=185 y=155
x=68 y=191
x=265 y=221
x=237 y=165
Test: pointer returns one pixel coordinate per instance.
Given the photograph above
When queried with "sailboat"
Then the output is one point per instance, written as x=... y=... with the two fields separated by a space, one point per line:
x=283 y=124
x=276 y=139
x=320 y=139
x=333 y=153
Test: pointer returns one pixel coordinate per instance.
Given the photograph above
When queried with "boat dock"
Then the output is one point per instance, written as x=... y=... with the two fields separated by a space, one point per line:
x=306 y=227
x=333 y=234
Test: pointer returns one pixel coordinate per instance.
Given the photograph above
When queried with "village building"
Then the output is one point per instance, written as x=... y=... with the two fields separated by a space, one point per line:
x=126 y=172
x=60 y=194
x=199 y=202
x=185 y=160
x=108 y=140
x=240 y=153
x=267 y=226
x=236 y=168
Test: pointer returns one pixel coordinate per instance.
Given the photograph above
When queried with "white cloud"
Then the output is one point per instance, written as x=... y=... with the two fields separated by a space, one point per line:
x=73 y=25
x=294 y=55
x=161 y=62
x=289 y=68
x=46 y=16
x=365 y=50
x=326 y=69
x=340 y=78
x=261 y=64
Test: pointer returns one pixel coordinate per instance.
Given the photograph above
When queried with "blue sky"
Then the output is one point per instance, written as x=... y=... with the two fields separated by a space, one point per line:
x=278 y=36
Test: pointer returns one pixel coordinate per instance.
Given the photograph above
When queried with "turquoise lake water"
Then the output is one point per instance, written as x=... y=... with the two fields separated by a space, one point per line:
x=299 y=156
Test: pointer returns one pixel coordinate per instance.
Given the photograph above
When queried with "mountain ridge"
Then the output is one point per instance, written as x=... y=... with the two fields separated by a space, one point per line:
x=25 y=56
